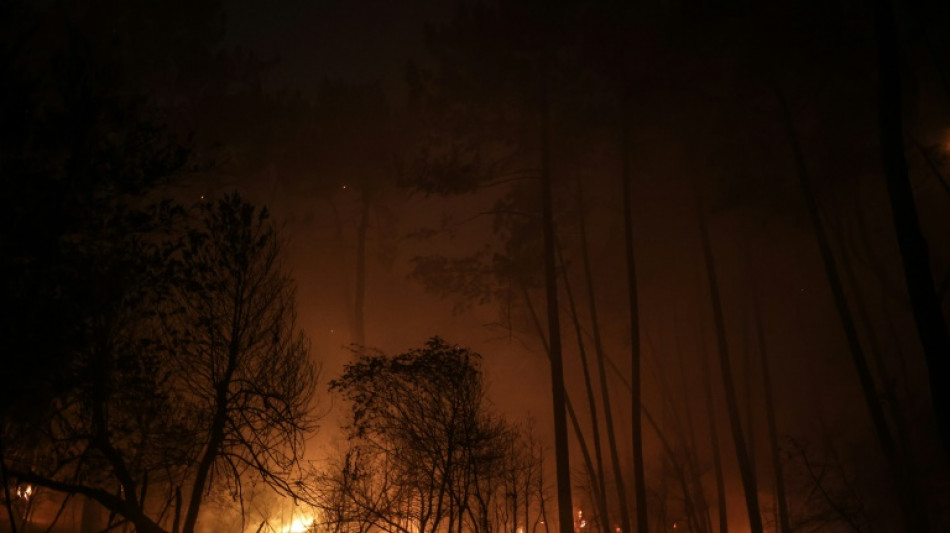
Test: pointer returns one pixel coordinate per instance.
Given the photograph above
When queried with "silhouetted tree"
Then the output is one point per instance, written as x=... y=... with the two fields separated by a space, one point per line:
x=79 y=148
x=194 y=378
x=426 y=455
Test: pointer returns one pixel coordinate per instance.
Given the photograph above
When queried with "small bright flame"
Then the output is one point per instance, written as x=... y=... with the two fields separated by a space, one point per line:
x=24 y=492
x=300 y=524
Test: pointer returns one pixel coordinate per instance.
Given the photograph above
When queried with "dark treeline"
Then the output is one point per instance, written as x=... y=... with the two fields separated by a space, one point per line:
x=717 y=229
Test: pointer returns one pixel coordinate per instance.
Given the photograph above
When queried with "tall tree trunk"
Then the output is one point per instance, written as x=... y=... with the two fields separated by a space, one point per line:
x=514 y=507
x=925 y=304
x=176 y=519
x=575 y=424
x=732 y=407
x=561 y=451
x=669 y=451
x=722 y=508
x=527 y=501
x=781 y=501
x=591 y=400
x=636 y=425
x=914 y=512
x=601 y=370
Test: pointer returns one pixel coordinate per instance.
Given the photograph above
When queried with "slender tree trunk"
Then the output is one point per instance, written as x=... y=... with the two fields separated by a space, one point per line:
x=514 y=509
x=669 y=451
x=781 y=501
x=527 y=501
x=176 y=520
x=601 y=370
x=215 y=437
x=578 y=431
x=914 y=513
x=591 y=401
x=561 y=451
x=722 y=508
x=925 y=304
x=636 y=424
x=585 y=452
x=732 y=409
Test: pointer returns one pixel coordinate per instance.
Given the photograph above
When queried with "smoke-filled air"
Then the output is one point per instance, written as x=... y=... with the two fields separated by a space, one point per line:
x=451 y=266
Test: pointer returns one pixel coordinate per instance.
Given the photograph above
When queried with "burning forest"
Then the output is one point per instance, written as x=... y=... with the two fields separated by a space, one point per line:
x=474 y=267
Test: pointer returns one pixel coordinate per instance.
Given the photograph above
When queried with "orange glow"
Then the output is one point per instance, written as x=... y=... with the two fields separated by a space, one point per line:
x=300 y=524
x=24 y=492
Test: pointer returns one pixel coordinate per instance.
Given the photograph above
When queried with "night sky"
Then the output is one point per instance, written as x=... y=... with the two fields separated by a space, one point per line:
x=414 y=127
